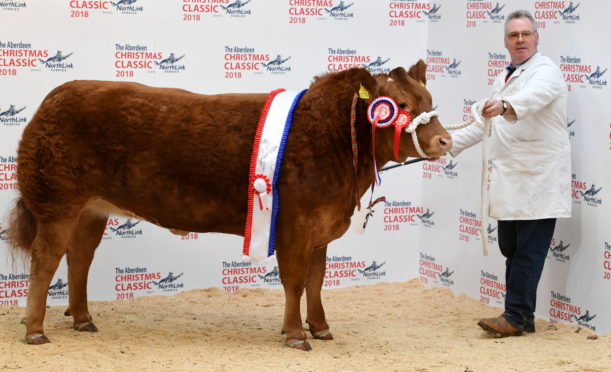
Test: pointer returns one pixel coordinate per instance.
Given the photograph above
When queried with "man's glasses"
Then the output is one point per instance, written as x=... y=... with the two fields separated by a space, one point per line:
x=524 y=34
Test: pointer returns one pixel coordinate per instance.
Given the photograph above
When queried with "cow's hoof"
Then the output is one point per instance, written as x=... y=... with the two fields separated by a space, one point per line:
x=23 y=321
x=323 y=335
x=85 y=327
x=36 y=339
x=299 y=344
x=67 y=312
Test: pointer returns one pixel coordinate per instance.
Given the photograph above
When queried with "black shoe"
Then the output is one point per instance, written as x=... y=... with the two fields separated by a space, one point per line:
x=529 y=326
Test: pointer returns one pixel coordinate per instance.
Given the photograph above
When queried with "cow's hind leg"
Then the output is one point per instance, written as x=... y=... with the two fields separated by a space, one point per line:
x=316 y=314
x=87 y=236
x=48 y=247
x=294 y=264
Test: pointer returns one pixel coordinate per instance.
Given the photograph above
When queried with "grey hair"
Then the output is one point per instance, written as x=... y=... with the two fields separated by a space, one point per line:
x=521 y=14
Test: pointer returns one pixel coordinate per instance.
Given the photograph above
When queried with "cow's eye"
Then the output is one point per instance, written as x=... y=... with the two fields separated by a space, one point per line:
x=402 y=105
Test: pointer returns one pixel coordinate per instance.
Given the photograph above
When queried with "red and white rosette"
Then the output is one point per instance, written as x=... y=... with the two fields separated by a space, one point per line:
x=262 y=187
x=382 y=112
x=403 y=120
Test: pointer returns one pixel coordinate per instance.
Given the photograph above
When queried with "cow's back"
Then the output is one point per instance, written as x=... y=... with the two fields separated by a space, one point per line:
x=172 y=157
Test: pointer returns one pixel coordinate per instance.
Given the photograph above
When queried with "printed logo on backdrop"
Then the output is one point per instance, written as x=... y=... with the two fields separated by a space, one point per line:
x=342 y=269
x=13 y=288
x=271 y=277
x=58 y=290
x=196 y=10
x=18 y=56
x=8 y=173
x=373 y=271
x=558 y=251
x=131 y=282
x=170 y=64
x=86 y=8
x=170 y=283
x=492 y=234
x=607 y=261
x=128 y=6
x=585 y=192
x=584 y=75
x=469 y=226
x=238 y=274
x=426 y=218
x=339 y=59
x=57 y=62
x=124 y=228
x=404 y=12
x=555 y=12
x=432 y=272
x=443 y=167
x=434 y=15
x=571 y=128
x=10 y=116
x=440 y=66
x=496 y=65
x=398 y=213
x=302 y=11
x=378 y=66
x=491 y=290
x=131 y=59
x=562 y=309
x=240 y=62
x=12 y=5
x=484 y=11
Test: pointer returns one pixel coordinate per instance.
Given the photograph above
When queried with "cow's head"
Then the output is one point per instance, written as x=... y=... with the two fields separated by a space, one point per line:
x=407 y=90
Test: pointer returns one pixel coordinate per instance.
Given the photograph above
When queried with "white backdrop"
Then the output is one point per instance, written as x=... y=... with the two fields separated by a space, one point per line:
x=428 y=226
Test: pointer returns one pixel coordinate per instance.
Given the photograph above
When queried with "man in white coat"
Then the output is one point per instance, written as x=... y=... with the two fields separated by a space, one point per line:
x=530 y=182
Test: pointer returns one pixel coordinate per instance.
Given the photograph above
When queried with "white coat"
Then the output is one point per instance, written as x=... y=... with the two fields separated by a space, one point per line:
x=530 y=158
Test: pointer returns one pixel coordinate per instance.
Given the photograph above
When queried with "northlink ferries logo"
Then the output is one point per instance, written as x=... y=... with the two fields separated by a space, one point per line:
x=569 y=124
x=377 y=66
x=3 y=234
x=9 y=116
x=339 y=11
x=448 y=169
x=57 y=290
x=425 y=218
x=490 y=230
x=56 y=62
x=12 y=4
x=568 y=14
x=595 y=78
x=372 y=271
x=445 y=275
x=277 y=65
x=127 y=7
x=495 y=13
x=168 y=284
x=433 y=14
x=169 y=64
x=235 y=8
x=585 y=320
x=589 y=196
x=557 y=251
x=452 y=68
x=272 y=277
x=126 y=230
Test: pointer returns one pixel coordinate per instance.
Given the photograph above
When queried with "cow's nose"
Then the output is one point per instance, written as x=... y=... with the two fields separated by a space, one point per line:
x=445 y=143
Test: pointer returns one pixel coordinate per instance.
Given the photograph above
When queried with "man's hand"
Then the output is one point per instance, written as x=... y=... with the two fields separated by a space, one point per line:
x=492 y=108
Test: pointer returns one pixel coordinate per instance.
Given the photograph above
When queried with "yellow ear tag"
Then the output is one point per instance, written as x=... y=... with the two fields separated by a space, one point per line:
x=363 y=92
x=422 y=84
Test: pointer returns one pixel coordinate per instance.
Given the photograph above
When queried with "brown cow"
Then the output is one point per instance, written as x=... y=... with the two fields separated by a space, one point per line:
x=176 y=159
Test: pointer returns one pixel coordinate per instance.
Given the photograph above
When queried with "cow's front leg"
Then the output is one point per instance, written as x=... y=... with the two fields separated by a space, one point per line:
x=316 y=314
x=294 y=263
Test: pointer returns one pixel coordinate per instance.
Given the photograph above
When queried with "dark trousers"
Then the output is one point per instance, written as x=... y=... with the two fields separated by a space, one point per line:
x=524 y=243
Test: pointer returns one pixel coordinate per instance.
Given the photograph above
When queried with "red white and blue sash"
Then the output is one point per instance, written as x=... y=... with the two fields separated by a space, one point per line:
x=265 y=163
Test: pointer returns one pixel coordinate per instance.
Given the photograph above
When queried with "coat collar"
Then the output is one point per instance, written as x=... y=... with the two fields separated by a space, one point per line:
x=521 y=68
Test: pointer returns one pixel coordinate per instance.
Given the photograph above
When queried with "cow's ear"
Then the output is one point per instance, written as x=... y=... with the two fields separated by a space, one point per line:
x=368 y=86
x=418 y=72
x=399 y=74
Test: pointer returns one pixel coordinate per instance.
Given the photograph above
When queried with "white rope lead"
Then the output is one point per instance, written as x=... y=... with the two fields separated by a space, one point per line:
x=477 y=117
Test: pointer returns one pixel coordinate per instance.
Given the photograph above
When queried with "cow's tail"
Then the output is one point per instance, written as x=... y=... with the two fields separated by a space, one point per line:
x=22 y=229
